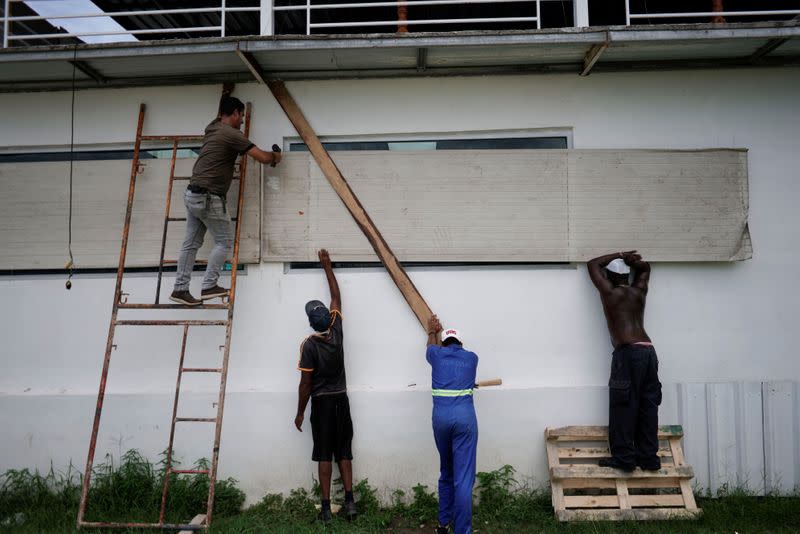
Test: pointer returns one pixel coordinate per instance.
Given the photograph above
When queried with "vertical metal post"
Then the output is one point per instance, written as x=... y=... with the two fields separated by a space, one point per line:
x=627 y=12
x=6 y=25
x=222 y=18
x=580 y=10
x=87 y=476
x=166 y=218
x=308 y=17
x=212 y=482
x=267 y=18
x=538 y=15
x=167 y=472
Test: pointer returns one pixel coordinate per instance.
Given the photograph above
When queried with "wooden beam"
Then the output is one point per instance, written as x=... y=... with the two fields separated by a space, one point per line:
x=342 y=188
x=592 y=56
x=351 y=202
x=593 y=471
x=600 y=433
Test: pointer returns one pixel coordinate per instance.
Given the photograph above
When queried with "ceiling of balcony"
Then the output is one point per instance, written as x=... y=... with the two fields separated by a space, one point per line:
x=576 y=50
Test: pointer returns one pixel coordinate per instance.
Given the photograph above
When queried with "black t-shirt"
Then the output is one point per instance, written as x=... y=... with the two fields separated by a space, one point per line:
x=322 y=355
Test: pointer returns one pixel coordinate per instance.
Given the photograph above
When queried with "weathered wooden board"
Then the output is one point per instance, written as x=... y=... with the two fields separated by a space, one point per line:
x=34 y=207
x=515 y=205
x=580 y=490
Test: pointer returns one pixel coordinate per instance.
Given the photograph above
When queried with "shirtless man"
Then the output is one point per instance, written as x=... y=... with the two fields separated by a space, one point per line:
x=634 y=389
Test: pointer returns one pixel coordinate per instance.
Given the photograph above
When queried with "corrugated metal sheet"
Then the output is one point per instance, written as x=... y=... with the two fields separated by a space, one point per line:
x=515 y=205
x=742 y=435
x=34 y=208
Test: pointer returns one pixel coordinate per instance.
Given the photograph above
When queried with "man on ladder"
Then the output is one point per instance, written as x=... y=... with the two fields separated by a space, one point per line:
x=205 y=200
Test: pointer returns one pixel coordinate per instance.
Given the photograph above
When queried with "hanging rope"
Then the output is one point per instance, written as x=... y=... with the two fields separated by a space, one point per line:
x=71 y=263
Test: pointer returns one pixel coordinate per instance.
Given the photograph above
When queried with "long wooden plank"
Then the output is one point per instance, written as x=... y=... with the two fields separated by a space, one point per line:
x=643 y=514
x=608 y=483
x=599 y=433
x=593 y=471
x=596 y=452
x=351 y=202
x=621 y=500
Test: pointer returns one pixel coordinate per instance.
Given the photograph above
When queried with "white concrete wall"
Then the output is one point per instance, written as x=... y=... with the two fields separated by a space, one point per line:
x=539 y=328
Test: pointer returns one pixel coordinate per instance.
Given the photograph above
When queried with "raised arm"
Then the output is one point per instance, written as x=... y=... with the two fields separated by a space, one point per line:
x=641 y=277
x=265 y=157
x=336 y=298
x=434 y=327
x=596 y=267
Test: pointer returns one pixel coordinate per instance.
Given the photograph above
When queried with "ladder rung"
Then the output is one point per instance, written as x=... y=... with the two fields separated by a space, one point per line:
x=182 y=219
x=195 y=419
x=172 y=138
x=170 y=323
x=196 y=262
x=184 y=178
x=172 y=306
x=201 y=370
x=189 y=471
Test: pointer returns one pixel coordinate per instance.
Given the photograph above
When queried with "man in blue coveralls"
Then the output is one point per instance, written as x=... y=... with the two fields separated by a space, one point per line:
x=455 y=427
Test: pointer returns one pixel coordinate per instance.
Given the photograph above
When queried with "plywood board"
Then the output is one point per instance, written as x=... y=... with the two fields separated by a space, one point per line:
x=34 y=209
x=515 y=205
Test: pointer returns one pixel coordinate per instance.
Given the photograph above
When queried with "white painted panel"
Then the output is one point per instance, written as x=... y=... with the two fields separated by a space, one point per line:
x=516 y=205
x=782 y=435
x=34 y=203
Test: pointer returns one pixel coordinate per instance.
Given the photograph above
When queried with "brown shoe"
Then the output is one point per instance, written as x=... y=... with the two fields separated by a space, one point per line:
x=213 y=292
x=185 y=298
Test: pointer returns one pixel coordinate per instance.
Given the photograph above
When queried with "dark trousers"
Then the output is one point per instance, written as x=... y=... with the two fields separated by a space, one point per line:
x=634 y=395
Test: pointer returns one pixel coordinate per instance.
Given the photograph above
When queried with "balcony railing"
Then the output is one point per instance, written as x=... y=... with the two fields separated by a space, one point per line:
x=718 y=16
x=25 y=24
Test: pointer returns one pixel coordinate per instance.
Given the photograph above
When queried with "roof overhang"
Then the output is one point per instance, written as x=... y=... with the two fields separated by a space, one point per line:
x=578 y=50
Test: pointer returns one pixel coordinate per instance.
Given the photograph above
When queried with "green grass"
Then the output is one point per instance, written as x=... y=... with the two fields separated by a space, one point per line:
x=32 y=502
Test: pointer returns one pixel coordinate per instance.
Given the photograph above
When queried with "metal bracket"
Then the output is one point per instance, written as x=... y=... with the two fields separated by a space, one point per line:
x=123 y=298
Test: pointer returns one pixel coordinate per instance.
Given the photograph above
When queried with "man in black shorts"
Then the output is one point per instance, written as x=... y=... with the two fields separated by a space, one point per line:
x=322 y=378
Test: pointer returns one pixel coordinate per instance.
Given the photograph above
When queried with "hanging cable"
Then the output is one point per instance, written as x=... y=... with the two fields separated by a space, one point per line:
x=71 y=263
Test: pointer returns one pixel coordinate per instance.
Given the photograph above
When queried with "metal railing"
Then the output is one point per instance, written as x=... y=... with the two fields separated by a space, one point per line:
x=113 y=30
x=720 y=16
x=403 y=5
x=87 y=17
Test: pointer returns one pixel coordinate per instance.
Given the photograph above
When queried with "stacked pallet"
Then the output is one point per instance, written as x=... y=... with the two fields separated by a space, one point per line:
x=584 y=491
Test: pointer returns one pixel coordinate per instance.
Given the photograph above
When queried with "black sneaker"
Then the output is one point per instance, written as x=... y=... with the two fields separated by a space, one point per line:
x=649 y=466
x=616 y=464
x=213 y=292
x=185 y=298
x=348 y=511
x=442 y=529
x=325 y=516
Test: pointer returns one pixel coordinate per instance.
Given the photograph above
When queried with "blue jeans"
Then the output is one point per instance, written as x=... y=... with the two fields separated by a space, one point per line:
x=204 y=211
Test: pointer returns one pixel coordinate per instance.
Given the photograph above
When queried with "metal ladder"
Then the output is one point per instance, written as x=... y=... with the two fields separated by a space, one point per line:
x=120 y=302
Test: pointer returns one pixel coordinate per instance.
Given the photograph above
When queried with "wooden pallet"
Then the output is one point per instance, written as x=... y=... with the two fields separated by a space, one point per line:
x=584 y=491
